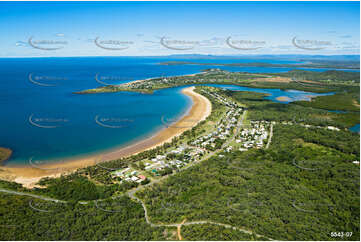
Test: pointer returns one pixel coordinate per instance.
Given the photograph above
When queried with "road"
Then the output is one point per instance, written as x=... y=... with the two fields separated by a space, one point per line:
x=31 y=195
x=270 y=136
x=178 y=225
x=179 y=229
x=132 y=192
x=239 y=125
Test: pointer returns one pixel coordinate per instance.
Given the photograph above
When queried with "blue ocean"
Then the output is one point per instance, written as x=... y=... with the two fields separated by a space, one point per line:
x=43 y=119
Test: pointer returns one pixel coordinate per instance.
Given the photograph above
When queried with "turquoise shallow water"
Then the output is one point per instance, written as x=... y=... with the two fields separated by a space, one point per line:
x=43 y=119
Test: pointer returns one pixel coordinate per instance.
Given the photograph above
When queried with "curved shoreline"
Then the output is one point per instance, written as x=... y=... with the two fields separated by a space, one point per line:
x=28 y=176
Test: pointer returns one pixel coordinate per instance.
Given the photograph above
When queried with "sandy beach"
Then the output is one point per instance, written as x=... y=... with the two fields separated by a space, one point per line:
x=283 y=99
x=29 y=175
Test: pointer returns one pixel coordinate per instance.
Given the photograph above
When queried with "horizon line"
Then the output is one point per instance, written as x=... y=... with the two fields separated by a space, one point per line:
x=236 y=55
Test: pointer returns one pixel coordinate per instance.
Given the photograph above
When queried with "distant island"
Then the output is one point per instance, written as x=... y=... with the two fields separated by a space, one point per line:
x=309 y=64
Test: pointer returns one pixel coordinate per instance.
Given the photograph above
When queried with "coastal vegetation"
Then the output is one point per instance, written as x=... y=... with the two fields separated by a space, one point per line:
x=112 y=88
x=346 y=101
x=300 y=181
x=266 y=190
x=325 y=77
x=24 y=218
x=98 y=181
x=311 y=81
x=211 y=232
x=74 y=188
x=286 y=192
x=303 y=112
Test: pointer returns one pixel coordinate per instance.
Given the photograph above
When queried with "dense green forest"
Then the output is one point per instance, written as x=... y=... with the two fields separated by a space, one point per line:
x=303 y=187
x=213 y=232
x=349 y=101
x=299 y=111
x=78 y=188
x=266 y=191
x=24 y=218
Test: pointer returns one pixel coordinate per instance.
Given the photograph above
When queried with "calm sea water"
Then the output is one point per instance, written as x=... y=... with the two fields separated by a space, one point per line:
x=42 y=119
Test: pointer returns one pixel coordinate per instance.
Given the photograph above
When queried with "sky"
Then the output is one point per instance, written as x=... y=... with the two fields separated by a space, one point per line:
x=165 y=28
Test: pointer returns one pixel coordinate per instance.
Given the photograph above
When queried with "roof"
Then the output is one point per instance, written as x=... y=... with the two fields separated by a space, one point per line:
x=142 y=177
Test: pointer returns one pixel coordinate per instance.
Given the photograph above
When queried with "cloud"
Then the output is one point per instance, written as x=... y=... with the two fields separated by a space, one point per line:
x=21 y=43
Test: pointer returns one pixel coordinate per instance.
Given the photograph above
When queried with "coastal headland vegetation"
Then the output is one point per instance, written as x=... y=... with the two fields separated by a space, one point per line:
x=271 y=170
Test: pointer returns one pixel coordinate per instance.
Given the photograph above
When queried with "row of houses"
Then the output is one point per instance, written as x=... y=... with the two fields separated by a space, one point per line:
x=255 y=136
x=224 y=126
x=128 y=174
x=160 y=162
